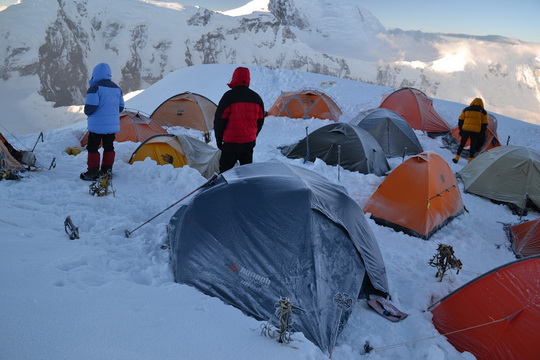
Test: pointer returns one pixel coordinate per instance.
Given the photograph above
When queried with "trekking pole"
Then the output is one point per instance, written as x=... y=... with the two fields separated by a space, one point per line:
x=209 y=182
x=338 y=161
x=307 y=146
x=39 y=137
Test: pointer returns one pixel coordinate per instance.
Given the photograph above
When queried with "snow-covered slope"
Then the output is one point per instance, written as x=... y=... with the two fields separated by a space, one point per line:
x=105 y=296
x=50 y=47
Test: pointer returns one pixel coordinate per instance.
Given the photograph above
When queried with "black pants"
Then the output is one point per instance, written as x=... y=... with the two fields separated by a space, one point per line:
x=95 y=140
x=233 y=152
x=466 y=135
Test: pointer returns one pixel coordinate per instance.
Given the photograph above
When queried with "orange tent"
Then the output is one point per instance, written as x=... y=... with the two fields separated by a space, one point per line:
x=491 y=140
x=189 y=110
x=133 y=127
x=415 y=107
x=525 y=238
x=418 y=197
x=305 y=104
x=497 y=315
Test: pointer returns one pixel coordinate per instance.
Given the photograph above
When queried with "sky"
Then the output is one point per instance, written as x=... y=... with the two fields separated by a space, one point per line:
x=483 y=17
x=105 y=296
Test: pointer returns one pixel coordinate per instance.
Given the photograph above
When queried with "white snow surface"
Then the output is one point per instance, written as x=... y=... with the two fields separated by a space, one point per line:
x=105 y=296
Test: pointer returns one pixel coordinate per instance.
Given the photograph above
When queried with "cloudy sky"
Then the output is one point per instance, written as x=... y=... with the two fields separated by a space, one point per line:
x=517 y=20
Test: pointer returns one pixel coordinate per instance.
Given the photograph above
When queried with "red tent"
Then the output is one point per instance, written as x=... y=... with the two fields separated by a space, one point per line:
x=497 y=315
x=415 y=107
x=525 y=238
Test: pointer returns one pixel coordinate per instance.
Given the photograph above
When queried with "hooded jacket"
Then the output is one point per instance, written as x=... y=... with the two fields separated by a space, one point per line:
x=104 y=102
x=239 y=115
x=473 y=118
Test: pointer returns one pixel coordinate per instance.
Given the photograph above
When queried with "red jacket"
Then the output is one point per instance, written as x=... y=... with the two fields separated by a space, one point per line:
x=240 y=113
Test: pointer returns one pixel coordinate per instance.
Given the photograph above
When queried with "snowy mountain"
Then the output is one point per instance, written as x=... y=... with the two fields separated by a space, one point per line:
x=50 y=47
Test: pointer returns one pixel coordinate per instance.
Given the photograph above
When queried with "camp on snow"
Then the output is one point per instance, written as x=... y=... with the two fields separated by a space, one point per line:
x=134 y=126
x=417 y=108
x=418 y=197
x=392 y=132
x=266 y=231
x=178 y=151
x=524 y=238
x=190 y=110
x=305 y=104
x=496 y=315
x=346 y=145
x=506 y=174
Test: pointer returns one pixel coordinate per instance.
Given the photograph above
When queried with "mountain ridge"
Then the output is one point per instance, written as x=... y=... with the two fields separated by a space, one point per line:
x=144 y=41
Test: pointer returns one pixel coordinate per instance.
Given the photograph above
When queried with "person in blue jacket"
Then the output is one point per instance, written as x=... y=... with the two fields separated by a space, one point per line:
x=103 y=105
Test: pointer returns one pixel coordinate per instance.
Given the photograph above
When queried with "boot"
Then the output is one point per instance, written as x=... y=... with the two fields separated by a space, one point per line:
x=471 y=159
x=456 y=159
x=90 y=175
x=108 y=161
x=92 y=172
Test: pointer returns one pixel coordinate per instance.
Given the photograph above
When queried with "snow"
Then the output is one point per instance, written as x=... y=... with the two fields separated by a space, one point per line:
x=105 y=296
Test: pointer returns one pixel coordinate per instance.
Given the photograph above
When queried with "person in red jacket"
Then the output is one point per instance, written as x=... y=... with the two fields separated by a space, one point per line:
x=472 y=122
x=238 y=120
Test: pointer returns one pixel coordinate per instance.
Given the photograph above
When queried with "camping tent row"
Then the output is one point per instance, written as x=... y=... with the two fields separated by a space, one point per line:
x=496 y=315
x=302 y=238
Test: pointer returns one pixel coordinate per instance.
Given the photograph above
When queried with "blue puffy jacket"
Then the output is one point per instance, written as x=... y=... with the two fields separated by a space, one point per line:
x=104 y=102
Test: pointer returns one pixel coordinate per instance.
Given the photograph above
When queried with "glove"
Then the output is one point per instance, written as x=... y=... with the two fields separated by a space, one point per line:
x=219 y=144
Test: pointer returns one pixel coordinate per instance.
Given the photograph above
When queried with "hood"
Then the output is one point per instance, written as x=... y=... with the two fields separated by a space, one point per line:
x=101 y=72
x=240 y=77
x=478 y=102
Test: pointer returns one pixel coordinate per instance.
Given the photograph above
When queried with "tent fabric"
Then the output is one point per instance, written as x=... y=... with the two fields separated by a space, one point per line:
x=179 y=150
x=134 y=127
x=491 y=141
x=392 y=132
x=508 y=174
x=525 y=238
x=190 y=110
x=7 y=161
x=269 y=230
x=349 y=146
x=415 y=107
x=497 y=315
x=418 y=197
x=305 y=104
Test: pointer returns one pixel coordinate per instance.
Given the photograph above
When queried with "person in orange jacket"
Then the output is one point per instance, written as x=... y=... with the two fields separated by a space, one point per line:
x=238 y=120
x=473 y=123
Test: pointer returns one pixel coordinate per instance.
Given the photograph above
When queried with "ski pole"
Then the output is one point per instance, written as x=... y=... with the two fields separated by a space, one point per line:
x=307 y=147
x=39 y=137
x=209 y=182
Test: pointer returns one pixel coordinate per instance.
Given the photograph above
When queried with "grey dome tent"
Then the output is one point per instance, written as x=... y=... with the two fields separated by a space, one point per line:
x=268 y=230
x=392 y=132
x=507 y=174
x=349 y=146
